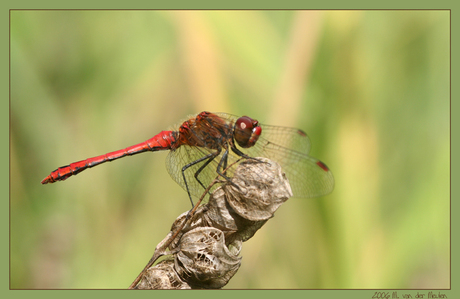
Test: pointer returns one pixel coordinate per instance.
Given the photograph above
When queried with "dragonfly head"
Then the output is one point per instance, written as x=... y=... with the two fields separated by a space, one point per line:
x=246 y=131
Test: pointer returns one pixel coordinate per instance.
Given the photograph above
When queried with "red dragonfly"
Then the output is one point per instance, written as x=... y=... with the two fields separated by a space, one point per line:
x=207 y=143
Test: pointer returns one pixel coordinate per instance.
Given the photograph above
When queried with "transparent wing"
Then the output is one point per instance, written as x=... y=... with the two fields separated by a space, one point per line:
x=289 y=138
x=307 y=176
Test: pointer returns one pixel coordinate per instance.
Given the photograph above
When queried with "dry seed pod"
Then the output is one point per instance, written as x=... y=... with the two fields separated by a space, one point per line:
x=216 y=213
x=162 y=276
x=203 y=259
x=262 y=188
x=206 y=250
x=240 y=211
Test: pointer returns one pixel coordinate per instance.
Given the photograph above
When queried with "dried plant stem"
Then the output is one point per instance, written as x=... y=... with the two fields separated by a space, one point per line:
x=205 y=242
x=160 y=250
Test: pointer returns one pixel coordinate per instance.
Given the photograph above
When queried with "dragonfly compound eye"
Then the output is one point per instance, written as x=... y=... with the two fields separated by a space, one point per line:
x=247 y=131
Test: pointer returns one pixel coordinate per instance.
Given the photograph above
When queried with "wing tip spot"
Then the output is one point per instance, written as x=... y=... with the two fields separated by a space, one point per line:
x=301 y=133
x=322 y=165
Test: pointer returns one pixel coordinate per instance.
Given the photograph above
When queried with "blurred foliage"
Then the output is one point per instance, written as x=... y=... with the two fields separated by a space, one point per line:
x=371 y=88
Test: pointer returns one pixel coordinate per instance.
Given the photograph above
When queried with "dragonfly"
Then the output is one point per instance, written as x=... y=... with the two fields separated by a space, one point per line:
x=206 y=144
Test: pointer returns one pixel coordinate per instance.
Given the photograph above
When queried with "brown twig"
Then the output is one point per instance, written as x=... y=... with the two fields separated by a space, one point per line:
x=160 y=250
x=205 y=242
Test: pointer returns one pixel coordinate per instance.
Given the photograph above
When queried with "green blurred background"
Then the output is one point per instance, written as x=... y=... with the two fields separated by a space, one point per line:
x=371 y=88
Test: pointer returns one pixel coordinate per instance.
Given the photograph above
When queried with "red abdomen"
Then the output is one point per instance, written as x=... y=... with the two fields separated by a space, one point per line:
x=165 y=140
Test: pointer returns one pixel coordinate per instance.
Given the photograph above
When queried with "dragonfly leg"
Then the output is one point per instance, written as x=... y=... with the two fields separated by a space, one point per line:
x=208 y=157
x=222 y=174
x=241 y=154
x=219 y=167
